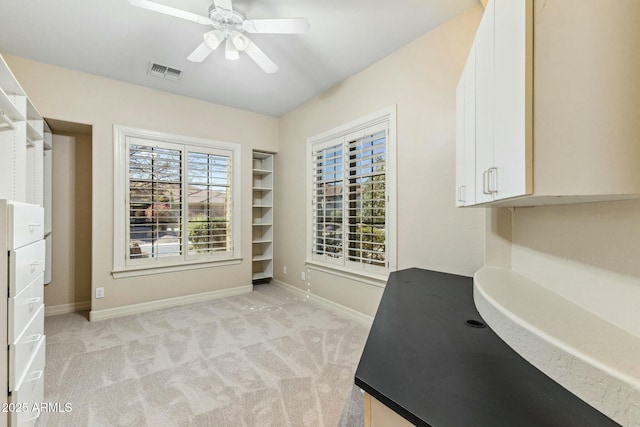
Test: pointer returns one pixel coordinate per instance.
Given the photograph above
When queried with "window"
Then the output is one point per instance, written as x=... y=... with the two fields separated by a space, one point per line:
x=175 y=201
x=351 y=180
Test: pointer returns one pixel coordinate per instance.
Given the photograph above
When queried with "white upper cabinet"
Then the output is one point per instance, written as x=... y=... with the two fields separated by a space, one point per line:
x=466 y=134
x=485 y=96
x=512 y=72
x=574 y=135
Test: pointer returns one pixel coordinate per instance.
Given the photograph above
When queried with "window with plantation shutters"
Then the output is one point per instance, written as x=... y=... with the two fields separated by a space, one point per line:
x=179 y=200
x=352 y=212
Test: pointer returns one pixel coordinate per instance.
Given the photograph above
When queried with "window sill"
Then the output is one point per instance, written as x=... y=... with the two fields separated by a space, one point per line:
x=367 y=277
x=148 y=270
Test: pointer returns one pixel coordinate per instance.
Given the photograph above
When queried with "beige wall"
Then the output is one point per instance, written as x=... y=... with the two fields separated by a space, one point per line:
x=587 y=253
x=421 y=79
x=82 y=98
x=71 y=220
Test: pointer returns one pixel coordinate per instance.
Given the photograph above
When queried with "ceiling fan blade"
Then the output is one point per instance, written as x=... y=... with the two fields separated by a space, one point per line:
x=223 y=4
x=260 y=58
x=276 y=26
x=200 y=53
x=167 y=10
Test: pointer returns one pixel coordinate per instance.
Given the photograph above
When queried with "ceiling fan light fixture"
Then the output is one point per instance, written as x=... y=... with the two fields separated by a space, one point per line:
x=213 y=38
x=230 y=51
x=240 y=41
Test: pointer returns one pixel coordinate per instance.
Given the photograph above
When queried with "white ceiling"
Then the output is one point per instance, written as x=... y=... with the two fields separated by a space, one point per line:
x=114 y=39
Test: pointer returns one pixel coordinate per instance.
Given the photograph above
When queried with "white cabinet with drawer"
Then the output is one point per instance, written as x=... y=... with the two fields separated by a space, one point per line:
x=25 y=187
x=24 y=306
x=22 y=248
x=30 y=394
x=26 y=224
x=26 y=264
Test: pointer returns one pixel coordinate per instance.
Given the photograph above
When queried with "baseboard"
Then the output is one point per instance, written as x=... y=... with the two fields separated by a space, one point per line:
x=52 y=310
x=328 y=304
x=109 y=313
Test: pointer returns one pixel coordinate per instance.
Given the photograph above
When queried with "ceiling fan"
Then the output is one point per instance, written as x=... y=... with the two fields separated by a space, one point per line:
x=230 y=26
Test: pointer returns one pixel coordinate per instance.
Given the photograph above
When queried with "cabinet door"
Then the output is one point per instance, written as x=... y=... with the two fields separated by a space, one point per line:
x=466 y=133
x=461 y=172
x=484 y=107
x=512 y=97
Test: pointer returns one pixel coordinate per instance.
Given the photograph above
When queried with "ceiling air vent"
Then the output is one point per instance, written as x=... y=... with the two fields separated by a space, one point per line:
x=165 y=72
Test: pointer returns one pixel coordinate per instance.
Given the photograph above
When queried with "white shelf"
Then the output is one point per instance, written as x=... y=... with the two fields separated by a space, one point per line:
x=592 y=351
x=262 y=172
x=8 y=108
x=262 y=215
x=33 y=134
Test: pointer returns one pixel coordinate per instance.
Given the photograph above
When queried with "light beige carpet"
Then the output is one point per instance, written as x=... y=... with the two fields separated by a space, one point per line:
x=262 y=359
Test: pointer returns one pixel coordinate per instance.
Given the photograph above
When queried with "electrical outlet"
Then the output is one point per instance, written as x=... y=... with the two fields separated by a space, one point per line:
x=99 y=292
x=284 y=269
x=303 y=276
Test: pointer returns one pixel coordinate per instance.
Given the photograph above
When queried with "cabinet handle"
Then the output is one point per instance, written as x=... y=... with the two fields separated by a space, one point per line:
x=32 y=227
x=36 y=375
x=34 y=300
x=493 y=179
x=485 y=184
x=34 y=264
x=461 y=193
x=33 y=338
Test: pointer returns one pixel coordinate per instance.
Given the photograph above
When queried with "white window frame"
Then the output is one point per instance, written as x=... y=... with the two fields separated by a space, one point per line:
x=341 y=135
x=124 y=267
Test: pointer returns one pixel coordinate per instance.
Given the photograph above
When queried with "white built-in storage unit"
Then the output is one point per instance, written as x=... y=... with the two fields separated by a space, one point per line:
x=548 y=104
x=262 y=234
x=23 y=156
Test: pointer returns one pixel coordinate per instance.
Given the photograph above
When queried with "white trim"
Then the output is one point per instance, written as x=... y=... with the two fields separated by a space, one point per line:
x=144 y=307
x=145 y=270
x=53 y=310
x=328 y=304
x=362 y=276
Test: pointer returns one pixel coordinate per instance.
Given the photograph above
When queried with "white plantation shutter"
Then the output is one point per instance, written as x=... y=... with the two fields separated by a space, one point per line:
x=328 y=188
x=209 y=202
x=155 y=200
x=366 y=197
x=349 y=199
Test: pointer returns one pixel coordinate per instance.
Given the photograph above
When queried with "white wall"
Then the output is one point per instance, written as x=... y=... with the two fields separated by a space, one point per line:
x=77 y=97
x=421 y=79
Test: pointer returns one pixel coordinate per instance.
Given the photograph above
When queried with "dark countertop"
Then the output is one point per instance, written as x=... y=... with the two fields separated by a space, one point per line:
x=422 y=361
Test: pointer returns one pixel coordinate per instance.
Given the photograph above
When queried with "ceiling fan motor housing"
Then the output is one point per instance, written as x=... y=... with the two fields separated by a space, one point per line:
x=225 y=19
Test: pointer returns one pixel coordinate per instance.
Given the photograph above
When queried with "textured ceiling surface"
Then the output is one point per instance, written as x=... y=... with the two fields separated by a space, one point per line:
x=114 y=39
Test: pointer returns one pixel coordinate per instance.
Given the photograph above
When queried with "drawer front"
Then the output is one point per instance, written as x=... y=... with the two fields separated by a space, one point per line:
x=31 y=391
x=26 y=224
x=26 y=263
x=22 y=350
x=24 y=306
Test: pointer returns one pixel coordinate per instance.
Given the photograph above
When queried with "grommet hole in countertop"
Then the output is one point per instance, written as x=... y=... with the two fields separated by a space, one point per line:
x=475 y=323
